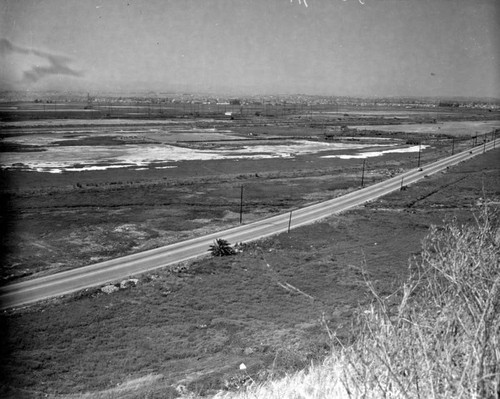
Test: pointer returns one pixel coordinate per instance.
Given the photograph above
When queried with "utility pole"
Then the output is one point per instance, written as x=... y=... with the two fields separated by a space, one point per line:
x=290 y=221
x=363 y=173
x=484 y=147
x=241 y=204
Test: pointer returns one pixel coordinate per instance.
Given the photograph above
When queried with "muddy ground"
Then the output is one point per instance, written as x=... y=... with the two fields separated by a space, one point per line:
x=270 y=307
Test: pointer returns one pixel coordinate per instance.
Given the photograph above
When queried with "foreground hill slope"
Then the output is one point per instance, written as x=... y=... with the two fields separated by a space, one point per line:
x=436 y=337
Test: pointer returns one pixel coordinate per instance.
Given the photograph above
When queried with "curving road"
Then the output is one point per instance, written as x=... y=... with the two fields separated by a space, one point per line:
x=59 y=284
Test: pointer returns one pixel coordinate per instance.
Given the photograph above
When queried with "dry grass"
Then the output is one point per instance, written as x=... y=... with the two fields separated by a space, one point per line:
x=129 y=389
x=437 y=337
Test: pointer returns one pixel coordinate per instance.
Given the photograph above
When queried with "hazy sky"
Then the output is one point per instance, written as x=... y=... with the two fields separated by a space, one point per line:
x=332 y=47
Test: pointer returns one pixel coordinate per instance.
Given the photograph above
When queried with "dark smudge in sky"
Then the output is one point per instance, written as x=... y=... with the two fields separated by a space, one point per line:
x=57 y=63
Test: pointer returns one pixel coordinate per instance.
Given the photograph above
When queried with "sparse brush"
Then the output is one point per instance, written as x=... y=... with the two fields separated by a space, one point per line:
x=442 y=340
x=437 y=337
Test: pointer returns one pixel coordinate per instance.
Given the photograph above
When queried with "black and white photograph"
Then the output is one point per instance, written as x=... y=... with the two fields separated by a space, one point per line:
x=250 y=199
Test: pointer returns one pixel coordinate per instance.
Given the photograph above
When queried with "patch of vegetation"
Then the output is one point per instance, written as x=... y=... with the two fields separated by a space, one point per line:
x=436 y=337
x=221 y=247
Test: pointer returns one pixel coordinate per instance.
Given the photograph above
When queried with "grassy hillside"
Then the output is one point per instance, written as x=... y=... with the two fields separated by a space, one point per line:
x=438 y=336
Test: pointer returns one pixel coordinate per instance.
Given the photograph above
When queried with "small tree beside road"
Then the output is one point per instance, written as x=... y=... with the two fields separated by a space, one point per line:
x=221 y=247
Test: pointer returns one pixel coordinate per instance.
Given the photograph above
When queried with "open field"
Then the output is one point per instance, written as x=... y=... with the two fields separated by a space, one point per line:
x=452 y=128
x=158 y=110
x=196 y=323
x=84 y=191
x=79 y=222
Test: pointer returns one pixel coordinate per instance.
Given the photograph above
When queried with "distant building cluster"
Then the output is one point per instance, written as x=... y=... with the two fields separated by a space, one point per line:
x=296 y=100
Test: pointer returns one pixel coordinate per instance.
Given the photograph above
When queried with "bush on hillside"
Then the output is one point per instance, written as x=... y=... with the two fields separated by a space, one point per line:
x=442 y=339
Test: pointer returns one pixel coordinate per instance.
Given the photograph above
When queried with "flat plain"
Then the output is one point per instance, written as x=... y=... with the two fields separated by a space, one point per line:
x=271 y=307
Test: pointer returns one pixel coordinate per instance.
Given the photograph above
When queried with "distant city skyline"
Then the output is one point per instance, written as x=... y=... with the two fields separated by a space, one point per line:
x=382 y=48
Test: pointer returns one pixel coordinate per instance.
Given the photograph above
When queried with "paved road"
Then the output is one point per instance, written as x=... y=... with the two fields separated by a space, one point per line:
x=59 y=284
